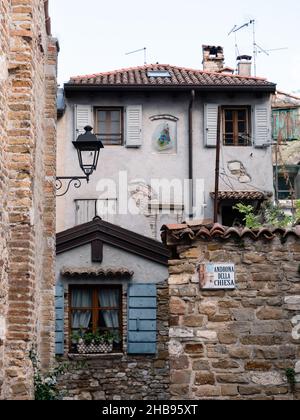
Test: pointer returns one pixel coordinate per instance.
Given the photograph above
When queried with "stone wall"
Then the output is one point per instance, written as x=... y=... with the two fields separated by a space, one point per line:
x=236 y=344
x=122 y=376
x=27 y=157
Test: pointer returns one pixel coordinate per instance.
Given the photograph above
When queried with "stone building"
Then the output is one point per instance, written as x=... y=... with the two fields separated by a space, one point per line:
x=28 y=59
x=234 y=339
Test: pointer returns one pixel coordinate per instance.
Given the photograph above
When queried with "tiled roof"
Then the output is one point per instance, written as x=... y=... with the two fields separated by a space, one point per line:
x=179 y=77
x=96 y=272
x=240 y=195
x=176 y=234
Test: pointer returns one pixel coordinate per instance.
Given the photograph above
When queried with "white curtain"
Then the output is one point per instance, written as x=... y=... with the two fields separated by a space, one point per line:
x=81 y=299
x=109 y=298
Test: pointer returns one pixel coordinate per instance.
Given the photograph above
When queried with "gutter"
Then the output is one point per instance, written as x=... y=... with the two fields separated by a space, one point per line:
x=70 y=87
x=191 y=177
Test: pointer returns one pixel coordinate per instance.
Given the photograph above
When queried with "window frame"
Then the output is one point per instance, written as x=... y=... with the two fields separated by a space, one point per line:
x=96 y=309
x=236 y=109
x=122 y=126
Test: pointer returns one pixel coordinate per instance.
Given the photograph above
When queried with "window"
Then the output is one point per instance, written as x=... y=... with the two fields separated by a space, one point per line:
x=87 y=210
x=236 y=126
x=109 y=123
x=96 y=309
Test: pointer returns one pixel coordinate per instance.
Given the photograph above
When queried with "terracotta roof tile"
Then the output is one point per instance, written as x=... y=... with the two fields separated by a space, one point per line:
x=179 y=76
x=240 y=195
x=182 y=232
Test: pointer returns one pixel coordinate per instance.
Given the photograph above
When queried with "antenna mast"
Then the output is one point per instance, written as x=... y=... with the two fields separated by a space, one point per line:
x=141 y=49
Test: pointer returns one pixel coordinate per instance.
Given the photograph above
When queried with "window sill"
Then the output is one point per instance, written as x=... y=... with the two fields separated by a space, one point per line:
x=73 y=356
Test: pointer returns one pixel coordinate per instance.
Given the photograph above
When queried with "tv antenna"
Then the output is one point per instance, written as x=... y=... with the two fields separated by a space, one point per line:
x=140 y=50
x=256 y=48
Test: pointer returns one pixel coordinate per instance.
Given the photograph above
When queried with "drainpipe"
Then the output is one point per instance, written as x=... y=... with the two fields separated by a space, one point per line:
x=191 y=183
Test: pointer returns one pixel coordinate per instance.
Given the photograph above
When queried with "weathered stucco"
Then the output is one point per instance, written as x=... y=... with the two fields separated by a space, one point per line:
x=144 y=163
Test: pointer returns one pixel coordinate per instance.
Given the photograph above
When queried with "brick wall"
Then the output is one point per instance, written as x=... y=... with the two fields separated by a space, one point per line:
x=123 y=377
x=27 y=188
x=236 y=344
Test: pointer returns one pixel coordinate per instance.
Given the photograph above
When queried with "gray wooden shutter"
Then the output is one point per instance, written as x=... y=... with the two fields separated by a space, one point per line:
x=134 y=119
x=210 y=124
x=59 y=319
x=262 y=126
x=142 y=324
x=83 y=117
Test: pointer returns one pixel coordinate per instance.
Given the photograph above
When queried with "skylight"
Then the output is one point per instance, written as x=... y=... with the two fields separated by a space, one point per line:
x=158 y=73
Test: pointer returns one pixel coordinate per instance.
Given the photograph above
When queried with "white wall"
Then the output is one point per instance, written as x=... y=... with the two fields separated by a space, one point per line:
x=146 y=164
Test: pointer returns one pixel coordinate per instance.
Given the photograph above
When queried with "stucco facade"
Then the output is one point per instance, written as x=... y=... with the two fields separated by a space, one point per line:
x=143 y=164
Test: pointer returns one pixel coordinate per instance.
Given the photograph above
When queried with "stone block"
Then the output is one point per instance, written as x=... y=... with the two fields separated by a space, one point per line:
x=258 y=365
x=268 y=378
x=201 y=365
x=229 y=390
x=194 y=349
x=270 y=313
x=250 y=390
x=181 y=332
x=179 y=363
x=177 y=306
x=193 y=321
x=180 y=377
x=207 y=391
x=207 y=335
x=204 y=378
x=227 y=338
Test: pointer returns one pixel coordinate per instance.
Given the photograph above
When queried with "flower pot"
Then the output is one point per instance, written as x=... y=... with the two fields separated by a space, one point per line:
x=94 y=348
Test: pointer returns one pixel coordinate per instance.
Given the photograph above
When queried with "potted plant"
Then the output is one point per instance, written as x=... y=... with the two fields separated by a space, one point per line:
x=93 y=343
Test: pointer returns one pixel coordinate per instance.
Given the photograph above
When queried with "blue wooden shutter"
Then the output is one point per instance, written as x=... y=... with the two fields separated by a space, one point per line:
x=142 y=324
x=211 y=124
x=59 y=319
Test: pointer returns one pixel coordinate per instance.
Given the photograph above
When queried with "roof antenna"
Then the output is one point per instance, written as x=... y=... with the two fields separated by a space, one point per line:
x=256 y=48
x=141 y=49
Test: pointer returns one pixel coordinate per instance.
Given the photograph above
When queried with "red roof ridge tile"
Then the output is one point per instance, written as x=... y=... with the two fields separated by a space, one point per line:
x=211 y=231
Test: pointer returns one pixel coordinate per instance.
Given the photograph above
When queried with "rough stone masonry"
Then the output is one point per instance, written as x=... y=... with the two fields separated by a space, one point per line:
x=28 y=58
x=235 y=344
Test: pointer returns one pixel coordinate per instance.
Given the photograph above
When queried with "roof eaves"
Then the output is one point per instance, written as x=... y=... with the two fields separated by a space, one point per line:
x=268 y=88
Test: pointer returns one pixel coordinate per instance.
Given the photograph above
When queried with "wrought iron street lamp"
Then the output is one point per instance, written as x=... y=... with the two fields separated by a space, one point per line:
x=88 y=148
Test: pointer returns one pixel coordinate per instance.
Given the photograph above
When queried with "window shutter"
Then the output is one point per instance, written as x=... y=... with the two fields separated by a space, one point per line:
x=210 y=124
x=59 y=319
x=142 y=324
x=83 y=117
x=261 y=122
x=134 y=126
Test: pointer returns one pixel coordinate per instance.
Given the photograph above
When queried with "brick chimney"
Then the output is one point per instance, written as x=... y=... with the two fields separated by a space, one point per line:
x=213 y=58
x=244 y=65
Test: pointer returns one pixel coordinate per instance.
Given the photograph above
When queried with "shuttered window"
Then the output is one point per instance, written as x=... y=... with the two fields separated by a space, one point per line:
x=142 y=324
x=96 y=309
x=59 y=319
x=236 y=126
x=210 y=124
x=83 y=116
x=262 y=126
x=134 y=126
x=109 y=125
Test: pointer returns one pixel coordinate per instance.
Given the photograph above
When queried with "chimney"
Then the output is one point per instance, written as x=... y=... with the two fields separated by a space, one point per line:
x=244 y=65
x=213 y=58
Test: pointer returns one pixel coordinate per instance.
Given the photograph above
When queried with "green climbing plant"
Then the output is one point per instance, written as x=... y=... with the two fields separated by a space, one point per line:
x=269 y=215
